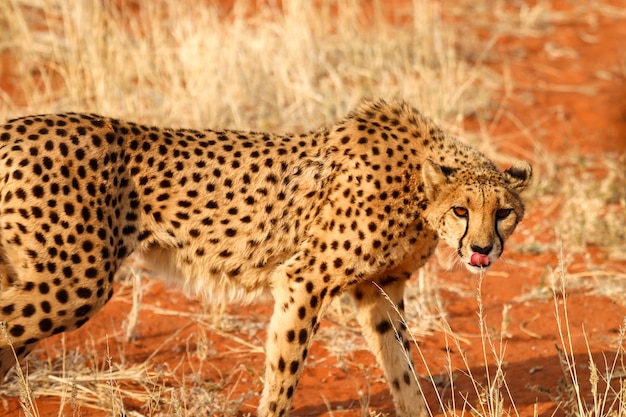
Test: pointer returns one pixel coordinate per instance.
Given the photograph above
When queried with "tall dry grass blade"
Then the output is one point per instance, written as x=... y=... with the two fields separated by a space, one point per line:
x=572 y=398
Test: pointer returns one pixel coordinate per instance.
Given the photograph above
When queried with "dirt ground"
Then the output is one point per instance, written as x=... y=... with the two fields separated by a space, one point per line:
x=564 y=103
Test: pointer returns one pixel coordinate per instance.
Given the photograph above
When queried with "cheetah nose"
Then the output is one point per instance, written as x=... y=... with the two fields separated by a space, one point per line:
x=478 y=259
x=483 y=250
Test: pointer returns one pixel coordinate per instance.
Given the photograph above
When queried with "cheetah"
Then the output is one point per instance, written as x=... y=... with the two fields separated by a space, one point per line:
x=357 y=208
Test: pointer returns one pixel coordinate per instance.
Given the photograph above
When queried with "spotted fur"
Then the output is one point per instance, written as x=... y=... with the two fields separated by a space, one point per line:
x=357 y=207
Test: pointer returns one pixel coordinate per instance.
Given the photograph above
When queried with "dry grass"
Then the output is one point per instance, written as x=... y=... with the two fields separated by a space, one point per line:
x=183 y=64
x=584 y=200
x=82 y=379
x=607 y=396
x=295 y=68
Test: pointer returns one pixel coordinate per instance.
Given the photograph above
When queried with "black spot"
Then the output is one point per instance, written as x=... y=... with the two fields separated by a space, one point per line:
x=37 y=212
x=59 y=329
x=129 y=230
x=388 y=280
x=396 y=384
x=323 y=293
x=79 y=323
x=302 y=336
x=44 y=288
x=87 y=246
x=62 y=296
x=28 y=310
x=83 y=292
x=91 y=273
x=38 y=191
x=45 y=325
x=82 y=311
x=294 y=367
x=407 y=378
x=69 y=209
x=67 y=272
x=8 y=309
x=383 y=327
x=17 y=330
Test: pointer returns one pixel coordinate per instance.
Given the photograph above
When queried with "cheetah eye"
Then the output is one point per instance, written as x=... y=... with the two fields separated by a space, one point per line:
x=503 y=213
x=460 y=211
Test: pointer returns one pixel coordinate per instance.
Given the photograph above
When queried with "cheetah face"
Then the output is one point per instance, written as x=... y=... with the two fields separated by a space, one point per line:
x=475 y=210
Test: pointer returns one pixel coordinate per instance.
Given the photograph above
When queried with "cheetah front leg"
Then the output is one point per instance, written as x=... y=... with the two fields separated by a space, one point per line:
x=300 y=302
x=385 y=332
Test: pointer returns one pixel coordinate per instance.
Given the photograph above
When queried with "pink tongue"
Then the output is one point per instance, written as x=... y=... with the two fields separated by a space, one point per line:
x=479 y=259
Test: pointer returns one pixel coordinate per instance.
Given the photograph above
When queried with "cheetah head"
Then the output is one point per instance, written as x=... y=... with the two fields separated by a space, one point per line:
x=475 y=209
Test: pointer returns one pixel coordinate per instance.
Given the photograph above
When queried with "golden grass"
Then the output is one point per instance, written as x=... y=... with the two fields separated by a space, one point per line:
x=606 y=398
x=181 y=63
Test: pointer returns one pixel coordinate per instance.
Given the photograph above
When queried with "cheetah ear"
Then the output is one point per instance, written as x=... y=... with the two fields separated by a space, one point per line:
x=519 y=175
x=435 y=177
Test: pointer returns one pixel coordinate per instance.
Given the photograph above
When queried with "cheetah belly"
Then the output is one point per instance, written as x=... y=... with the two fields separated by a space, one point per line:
x=210 y=283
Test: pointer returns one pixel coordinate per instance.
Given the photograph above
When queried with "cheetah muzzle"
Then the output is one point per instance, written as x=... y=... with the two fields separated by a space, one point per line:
x=357 y=207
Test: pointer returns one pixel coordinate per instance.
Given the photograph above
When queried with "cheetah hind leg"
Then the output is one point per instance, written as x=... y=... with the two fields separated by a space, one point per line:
x=385 y=332
x=8 y=352
x=8 y=357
